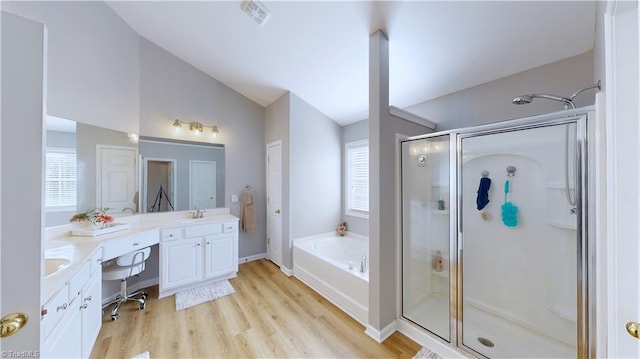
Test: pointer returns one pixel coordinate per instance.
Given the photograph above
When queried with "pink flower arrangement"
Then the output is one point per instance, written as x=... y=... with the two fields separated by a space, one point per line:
x=342 y=228
x=96 y=216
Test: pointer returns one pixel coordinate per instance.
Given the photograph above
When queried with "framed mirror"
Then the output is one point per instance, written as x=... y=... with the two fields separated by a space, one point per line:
x=88 y=167
x=180 y=175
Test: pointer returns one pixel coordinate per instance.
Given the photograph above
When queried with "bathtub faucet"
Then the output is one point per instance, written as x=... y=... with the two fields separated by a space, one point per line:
x=363 y=264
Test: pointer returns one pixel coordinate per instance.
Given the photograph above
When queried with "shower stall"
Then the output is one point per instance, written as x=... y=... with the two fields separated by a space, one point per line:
x=495 y=246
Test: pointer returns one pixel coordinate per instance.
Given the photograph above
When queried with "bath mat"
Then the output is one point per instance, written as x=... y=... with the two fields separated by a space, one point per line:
x=425 y=353
x=144 y=355
x=195 y=296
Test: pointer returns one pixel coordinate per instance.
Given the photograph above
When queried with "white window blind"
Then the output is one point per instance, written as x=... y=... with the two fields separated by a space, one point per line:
x=357 y=181
x=60 y=179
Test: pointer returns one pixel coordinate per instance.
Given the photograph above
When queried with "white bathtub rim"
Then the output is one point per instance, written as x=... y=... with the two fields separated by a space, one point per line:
x=330 y=234
x=355 y=271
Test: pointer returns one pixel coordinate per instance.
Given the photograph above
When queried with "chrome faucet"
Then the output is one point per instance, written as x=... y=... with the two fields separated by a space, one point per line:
x=198 y=213
x=363 y=264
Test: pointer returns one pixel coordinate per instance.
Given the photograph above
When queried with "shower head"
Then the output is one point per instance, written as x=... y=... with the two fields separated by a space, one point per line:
x=526 y=99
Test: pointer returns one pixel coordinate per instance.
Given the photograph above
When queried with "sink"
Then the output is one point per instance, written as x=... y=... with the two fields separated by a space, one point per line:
x=53 y=265
x=57 y=259
x=194 y=220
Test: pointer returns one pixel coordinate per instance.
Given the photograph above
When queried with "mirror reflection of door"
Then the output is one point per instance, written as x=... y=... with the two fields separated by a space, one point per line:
x=160 y=185
x=116 y=174
x=202 y=184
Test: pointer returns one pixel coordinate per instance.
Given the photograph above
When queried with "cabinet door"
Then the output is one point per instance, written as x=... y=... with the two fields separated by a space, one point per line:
x=64 y=340
x=181 y=263
x=91 y=310
x=219 y=255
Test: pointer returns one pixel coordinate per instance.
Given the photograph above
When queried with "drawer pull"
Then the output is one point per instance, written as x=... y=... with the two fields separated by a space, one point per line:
x=208 y=242
x=44 y=311
x=62 y=307
x=171 y=235
x=135 y=244
x=88 y=299
x=84 y=306
x=198 y=244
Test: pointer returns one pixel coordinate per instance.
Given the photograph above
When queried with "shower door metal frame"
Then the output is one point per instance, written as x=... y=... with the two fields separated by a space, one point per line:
x=585 y=326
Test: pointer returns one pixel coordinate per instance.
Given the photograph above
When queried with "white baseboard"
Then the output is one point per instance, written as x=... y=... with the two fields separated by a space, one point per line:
x=288 y=272
x=254 y=257
x=427 y=341
x=381 y=335
x=132 y=288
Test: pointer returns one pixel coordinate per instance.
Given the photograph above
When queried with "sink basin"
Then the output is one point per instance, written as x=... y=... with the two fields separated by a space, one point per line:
x=194 y=220
x=53 y=265
x=57 y=259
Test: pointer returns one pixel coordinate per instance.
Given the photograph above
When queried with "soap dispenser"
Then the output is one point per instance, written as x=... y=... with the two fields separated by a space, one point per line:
x=438 y=263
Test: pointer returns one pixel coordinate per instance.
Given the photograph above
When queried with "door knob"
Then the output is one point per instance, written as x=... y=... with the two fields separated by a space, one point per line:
x=633 y=328
x=12 y=323
x=277 y=211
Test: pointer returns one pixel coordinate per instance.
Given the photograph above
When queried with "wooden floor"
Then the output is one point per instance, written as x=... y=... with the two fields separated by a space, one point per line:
x=269 y=316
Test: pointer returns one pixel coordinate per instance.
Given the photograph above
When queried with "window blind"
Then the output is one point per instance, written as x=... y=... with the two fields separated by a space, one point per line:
x=60 y=179
x=358 y=178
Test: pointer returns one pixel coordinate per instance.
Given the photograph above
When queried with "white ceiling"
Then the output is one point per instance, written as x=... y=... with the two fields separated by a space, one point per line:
x=319 y=49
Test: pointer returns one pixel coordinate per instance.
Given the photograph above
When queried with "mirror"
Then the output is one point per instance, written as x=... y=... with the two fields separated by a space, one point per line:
x=87 y=167
x=180 y=175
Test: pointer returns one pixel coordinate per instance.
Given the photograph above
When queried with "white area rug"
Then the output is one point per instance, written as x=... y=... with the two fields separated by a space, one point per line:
x=195 y=296
x=425 y=353
x=144 y=355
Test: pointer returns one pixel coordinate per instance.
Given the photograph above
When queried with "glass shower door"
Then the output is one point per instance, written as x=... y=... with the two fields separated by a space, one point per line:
x=426 y=293
x=520 y=242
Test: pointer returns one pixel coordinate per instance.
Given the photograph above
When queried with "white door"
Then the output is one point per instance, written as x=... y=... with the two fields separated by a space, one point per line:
x=202 y=184
x=622 y=61
x=274 y=202
x=116 y=177
x=24 y=73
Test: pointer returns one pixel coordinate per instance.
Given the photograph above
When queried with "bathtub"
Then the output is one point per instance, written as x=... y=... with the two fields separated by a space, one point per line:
x=330 y=265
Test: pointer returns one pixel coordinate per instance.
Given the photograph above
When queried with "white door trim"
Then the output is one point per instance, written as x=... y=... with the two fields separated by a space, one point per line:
x=145 y=173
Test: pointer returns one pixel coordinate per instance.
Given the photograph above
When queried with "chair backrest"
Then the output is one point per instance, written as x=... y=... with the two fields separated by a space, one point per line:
x=134 y=258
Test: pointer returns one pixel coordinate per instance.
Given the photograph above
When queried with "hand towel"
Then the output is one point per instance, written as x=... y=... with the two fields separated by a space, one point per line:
x=248 y=212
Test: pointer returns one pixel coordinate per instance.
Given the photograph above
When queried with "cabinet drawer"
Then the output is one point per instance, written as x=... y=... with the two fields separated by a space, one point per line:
x=78 y=281
x=230 y=227
x=56 y=308
x=95 y=262
x=128 y=244
x=202 y=230
x=170 y=234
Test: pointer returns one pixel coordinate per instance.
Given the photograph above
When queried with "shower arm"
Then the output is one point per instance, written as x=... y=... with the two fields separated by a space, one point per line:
x=596 y=85
x=567 y=101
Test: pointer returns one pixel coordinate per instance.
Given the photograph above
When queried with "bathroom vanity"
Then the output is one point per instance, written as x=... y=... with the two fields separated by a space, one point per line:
x=193 y=252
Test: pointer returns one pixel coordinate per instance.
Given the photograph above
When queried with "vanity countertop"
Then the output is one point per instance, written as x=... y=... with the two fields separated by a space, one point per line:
x=59 y=241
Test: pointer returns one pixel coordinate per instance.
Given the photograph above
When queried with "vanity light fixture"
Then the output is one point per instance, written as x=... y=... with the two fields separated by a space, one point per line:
x=196 y=127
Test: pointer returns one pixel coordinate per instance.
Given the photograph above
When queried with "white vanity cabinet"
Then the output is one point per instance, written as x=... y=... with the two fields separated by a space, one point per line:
x=196 y=254
x=73 y=317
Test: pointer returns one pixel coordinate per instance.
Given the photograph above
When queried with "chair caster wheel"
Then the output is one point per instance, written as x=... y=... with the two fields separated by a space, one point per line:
x=141 y=306
x=115 y=316
x=145 y=296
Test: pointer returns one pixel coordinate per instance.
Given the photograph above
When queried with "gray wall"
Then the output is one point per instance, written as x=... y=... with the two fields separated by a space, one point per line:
x=170 y=88
x=92 y=62
x=183 y=153
x=354 y=132
x=277 y=128
x=491 y=102
x=21 y=214
x=315 y=171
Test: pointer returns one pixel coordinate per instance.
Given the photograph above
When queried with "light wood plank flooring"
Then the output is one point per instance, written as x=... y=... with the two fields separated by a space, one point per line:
x=269 y=316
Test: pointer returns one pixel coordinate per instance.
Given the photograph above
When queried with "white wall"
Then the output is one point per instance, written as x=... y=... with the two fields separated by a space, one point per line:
x=491 y=102
x=354 y=132
x=170 y=88
x=93 y=62
x=24 y=48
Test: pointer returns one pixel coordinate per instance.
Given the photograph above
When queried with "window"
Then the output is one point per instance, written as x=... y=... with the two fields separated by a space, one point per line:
x=60 y=179
x=357 y=178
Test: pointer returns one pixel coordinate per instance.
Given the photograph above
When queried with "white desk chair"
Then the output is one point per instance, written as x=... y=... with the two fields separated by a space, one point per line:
x=122 y=268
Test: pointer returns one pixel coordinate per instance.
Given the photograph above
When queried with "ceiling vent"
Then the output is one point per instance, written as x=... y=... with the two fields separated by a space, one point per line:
x=256 y=10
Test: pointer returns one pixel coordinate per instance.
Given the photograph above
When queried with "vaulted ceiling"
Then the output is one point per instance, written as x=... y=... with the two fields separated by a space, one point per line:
x=319 y=49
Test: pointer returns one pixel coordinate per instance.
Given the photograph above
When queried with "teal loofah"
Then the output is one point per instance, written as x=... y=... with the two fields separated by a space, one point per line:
x=509 y=210
x=509 y=214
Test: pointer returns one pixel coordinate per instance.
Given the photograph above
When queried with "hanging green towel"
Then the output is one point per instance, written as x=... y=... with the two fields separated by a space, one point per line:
x=509 y=210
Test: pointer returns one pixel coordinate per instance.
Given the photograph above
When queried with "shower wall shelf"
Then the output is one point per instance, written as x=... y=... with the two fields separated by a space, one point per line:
x=439 y=211
x=567 y=226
